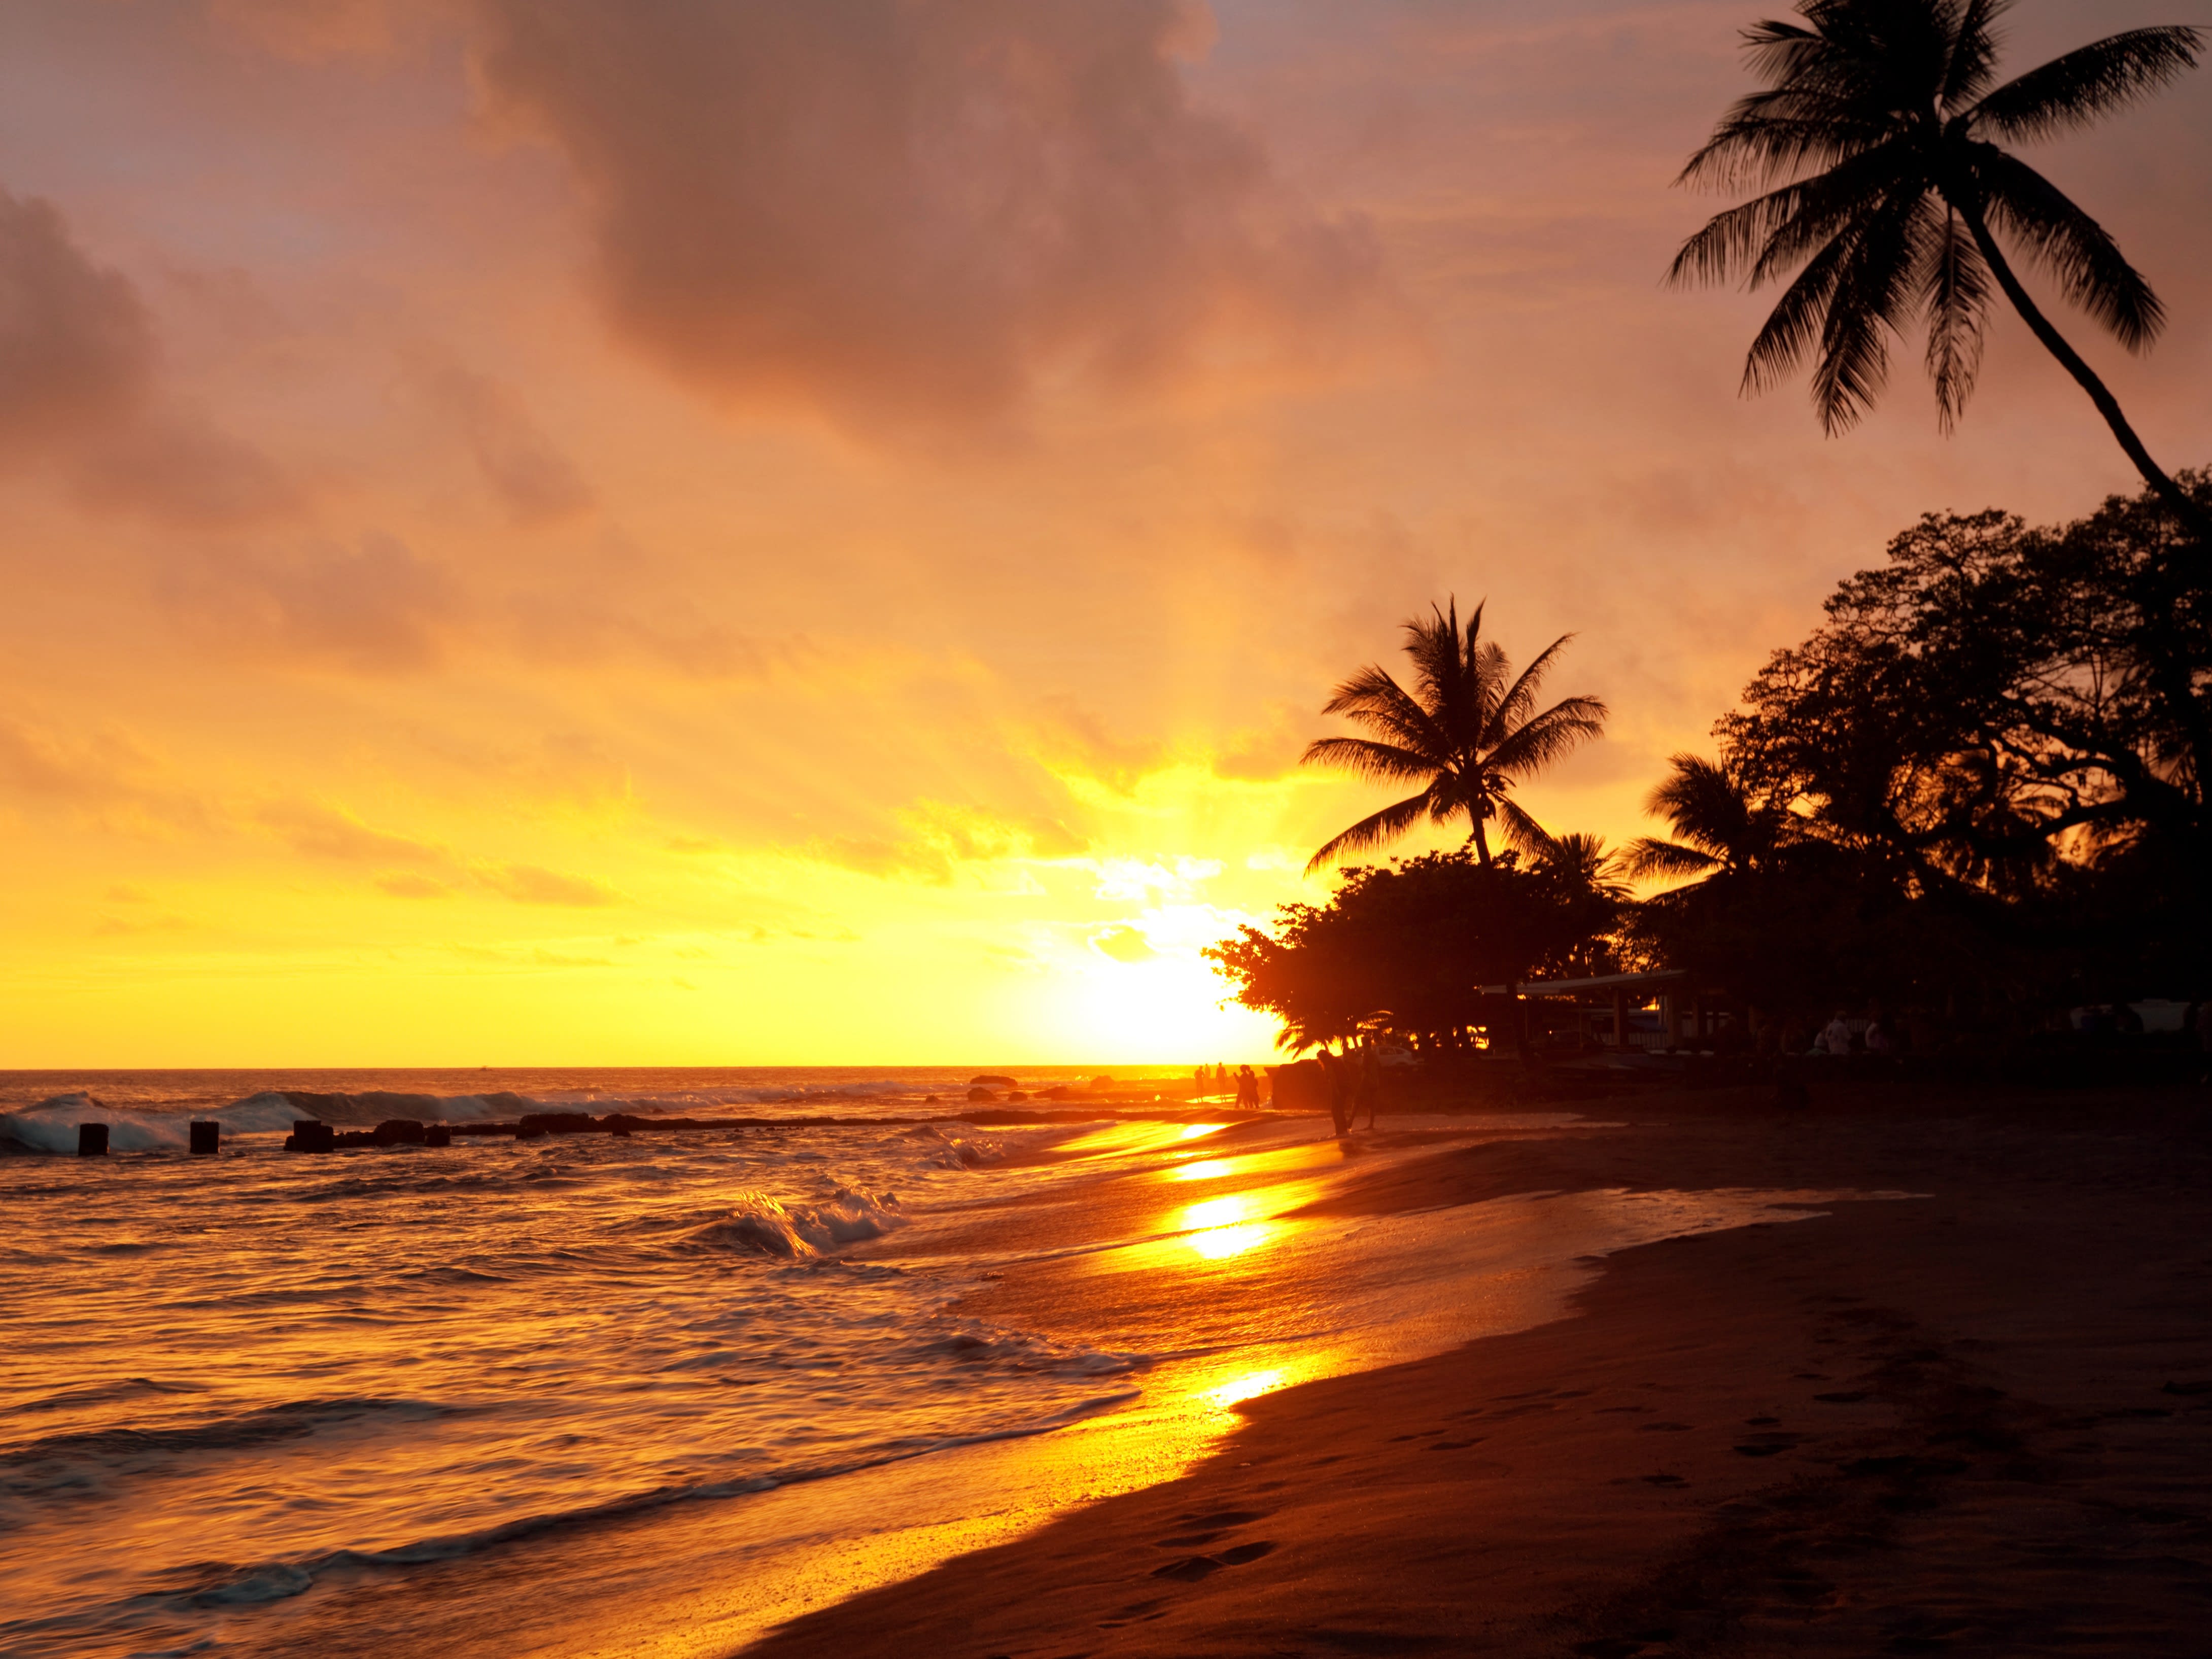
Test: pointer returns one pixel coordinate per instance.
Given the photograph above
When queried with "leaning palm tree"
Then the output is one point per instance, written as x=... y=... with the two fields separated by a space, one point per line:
x=1876 y=131
x=1468 y=732
x=1719 y=825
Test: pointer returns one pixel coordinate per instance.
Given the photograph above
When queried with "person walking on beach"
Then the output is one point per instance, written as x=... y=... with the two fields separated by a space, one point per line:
x=1248 y=1089
x=1836 y=1037
x=1334 y=1072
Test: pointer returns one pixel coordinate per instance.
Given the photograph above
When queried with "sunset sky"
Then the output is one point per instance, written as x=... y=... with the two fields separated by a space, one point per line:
x=566 y=532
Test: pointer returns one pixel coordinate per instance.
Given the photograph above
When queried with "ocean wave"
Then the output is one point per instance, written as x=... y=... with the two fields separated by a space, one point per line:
x=214 y=1585
x=976 y=1344
x=84 y=1462
x=768 y=1226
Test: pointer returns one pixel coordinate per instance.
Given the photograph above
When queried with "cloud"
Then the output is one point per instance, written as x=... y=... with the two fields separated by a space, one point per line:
x=528 y=883
x=375 y=607
x=1071 y=737
x=327 y=833
x=1123 y=945
x=79 y=379
x=532 y=478
x=107 y=777
x=940 y=839
x=76 y=350
x=404 y=885
x=177 y=467
x=913 y=218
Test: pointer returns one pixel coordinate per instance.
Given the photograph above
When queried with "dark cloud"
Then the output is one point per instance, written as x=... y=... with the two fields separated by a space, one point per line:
x=79 y=379
x=913 y=216
x=375 y=607
x=76 y=350
x=181 y=469
x=531 y=475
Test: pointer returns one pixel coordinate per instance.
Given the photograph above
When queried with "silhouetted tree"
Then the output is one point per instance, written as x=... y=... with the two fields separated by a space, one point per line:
x=1891 y=102
x=1407 y=947
x=1718 y=825
x=1983 y=775
x=1468 y=732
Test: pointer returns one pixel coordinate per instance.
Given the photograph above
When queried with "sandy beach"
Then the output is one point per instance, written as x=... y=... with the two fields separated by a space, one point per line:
x=1978 y=1419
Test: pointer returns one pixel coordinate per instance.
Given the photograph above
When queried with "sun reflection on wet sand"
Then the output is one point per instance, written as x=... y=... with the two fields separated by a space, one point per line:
x=1222 y=1243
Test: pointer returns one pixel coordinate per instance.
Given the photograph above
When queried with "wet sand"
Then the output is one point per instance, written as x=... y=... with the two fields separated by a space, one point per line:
x=1978 y=1421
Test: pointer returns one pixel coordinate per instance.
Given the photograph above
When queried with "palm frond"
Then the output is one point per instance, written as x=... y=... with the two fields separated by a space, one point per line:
x=1536 y=742
x=1522 y=830
x=2074 y=89
x=1378 y=703
x=1973 y=51
x=1648 y=859
x=1873 y=287
x=1366 y=758
x=1701 y=800
x=2078 y=253
x=1798 y=318
x=1518 y=699
x=1955 y=281
x=1375 y=830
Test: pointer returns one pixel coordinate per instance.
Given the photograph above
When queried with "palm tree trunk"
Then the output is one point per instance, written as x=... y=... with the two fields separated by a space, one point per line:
x=2193 y=517
x=1481 y=841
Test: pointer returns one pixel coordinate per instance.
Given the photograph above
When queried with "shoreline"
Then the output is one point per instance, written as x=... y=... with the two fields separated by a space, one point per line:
x=1977 y=1420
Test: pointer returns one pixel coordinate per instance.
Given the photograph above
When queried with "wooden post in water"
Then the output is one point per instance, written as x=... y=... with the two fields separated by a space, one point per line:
x=207 y=1137
x=92 y=1141
x=310 y=1135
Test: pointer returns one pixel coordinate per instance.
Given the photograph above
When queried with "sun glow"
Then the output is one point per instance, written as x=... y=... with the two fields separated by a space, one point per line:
x=1222 y=1243
x=1217 y=1211
x=1249 y=1386
x=1206 y=1168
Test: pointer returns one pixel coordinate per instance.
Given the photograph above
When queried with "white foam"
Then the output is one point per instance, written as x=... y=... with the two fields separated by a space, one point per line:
x=795 y=1232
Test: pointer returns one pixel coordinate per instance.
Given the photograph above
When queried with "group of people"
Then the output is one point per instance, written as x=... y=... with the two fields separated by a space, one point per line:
x=1878 y=1036
x=1217 y=1082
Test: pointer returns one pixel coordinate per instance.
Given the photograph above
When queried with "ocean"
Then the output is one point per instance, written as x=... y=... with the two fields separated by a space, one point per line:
x=654 y=1394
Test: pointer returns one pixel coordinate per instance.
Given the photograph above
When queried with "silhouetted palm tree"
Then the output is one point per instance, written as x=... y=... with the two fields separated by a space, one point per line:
x=1581 y=858
x=1468 y=732
x=1891 y=102
x=1718 y=825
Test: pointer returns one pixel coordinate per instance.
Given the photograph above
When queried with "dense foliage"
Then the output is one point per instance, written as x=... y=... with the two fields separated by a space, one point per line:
x=1978 y=790
x=1407 y=947
x=1982 y=777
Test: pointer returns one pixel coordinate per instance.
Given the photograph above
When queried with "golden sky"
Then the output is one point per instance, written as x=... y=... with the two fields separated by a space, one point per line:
x=564 y=531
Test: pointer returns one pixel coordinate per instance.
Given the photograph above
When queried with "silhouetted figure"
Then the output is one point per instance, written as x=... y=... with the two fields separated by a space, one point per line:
x=1198 y=1084
x=1248 y=1089
x=1337 y=1071
x=1836 y=1036
x=1370 y=1081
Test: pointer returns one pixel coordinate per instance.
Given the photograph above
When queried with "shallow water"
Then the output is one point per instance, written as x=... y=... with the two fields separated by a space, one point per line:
x=590 y=1396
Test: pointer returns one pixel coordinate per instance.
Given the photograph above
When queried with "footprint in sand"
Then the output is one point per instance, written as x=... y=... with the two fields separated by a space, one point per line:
x=1192 y=1568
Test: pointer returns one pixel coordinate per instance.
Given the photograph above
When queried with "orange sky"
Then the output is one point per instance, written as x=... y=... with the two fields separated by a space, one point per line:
x=551 y=531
